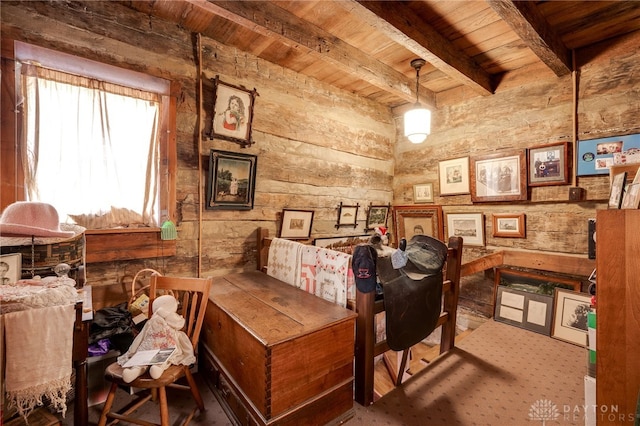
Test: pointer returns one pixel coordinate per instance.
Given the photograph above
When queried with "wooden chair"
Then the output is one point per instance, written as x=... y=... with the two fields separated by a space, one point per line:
x=192 y=295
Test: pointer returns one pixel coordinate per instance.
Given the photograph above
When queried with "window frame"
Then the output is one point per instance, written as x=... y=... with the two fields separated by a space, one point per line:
x=10 y=160
x=12 y=186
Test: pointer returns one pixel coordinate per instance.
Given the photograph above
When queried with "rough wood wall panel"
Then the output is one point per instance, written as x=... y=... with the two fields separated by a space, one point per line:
x=318 y=146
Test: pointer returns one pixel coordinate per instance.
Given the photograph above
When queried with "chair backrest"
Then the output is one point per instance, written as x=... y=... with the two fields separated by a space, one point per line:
x=192 y=295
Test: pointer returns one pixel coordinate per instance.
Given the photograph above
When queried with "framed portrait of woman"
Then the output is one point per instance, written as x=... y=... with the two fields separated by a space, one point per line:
x=232 y=113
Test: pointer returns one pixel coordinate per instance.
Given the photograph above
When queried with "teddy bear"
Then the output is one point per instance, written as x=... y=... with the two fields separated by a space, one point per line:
x=162 y=330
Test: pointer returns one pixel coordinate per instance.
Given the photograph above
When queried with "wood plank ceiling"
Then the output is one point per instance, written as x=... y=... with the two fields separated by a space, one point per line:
x=366 y=47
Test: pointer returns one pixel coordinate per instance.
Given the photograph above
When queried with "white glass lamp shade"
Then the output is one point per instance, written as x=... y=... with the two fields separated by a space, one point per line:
x=417 y=124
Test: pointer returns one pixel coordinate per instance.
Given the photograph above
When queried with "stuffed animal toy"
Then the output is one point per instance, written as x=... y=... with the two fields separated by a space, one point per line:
x=162 y=330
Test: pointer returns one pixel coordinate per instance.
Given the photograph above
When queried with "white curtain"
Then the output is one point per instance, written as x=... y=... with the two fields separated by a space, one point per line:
x=90 y=148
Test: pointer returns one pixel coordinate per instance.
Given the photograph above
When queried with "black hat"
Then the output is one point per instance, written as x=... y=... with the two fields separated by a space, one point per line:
x=425 y=257
x=363 y=263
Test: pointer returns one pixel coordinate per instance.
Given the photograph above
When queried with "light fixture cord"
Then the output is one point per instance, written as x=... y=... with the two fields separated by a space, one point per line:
x=417 y=85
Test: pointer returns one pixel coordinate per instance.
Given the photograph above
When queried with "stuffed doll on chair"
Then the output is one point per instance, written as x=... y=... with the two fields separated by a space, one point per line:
x=162 y=330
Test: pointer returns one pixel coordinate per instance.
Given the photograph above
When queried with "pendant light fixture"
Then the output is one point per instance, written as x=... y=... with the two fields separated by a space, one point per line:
x=417 y=121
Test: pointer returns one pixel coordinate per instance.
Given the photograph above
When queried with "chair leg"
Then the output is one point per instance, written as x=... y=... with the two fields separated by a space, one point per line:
x=107 y=404
x=194 y=389
x=164 y=407
x=403 y=363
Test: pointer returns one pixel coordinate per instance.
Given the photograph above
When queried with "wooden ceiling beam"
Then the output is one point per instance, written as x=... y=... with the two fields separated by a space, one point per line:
x=530 y=25
x=402 y=26
x=274 y=22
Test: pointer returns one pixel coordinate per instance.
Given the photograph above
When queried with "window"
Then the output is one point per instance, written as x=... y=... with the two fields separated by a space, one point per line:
x=93 y=140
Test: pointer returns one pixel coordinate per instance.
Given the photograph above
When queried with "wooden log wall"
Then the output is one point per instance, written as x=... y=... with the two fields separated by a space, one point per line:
x=318 y=147
x=524 y=116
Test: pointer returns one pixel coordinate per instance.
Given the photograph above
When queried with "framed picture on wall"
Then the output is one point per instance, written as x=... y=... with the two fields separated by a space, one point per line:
x=296 y=224
x=499 y=177
x=469 y=226
x=232 y=181
x=549 y=164
x=508 y=225
x=418 y=220
x=595 y=156
x=423 y=193
x=232 y=112
x=347 y=215
x=454 y=176
x=377 y=216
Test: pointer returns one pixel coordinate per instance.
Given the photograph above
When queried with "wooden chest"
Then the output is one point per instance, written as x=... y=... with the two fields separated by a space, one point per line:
x=274 y=354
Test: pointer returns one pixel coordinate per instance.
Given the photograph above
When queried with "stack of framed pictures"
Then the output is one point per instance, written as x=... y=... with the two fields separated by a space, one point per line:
x=549 y=305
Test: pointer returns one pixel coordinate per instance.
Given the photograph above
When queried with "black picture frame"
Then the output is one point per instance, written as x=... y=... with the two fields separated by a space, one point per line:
x=296 y=224
x=232 y=180
x=377 y=216
x=347 y=215
x=232 y=115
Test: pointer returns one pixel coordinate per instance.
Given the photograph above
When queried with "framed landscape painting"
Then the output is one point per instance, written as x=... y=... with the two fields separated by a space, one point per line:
x=377 y=216
x=508 y=225
x=469 y=226
x=232 y=181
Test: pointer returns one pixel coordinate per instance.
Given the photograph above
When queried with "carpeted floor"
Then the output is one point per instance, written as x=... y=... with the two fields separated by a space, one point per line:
x=498 y=375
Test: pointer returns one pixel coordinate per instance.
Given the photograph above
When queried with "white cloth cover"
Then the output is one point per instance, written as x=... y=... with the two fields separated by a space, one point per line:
x=284 y=260
x=324 y=272
x=39 y=345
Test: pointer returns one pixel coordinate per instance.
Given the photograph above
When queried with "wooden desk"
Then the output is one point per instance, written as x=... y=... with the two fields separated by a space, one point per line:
x=275 y=354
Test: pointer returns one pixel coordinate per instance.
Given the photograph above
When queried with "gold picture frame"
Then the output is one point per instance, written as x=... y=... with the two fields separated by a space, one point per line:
x=414 y=220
